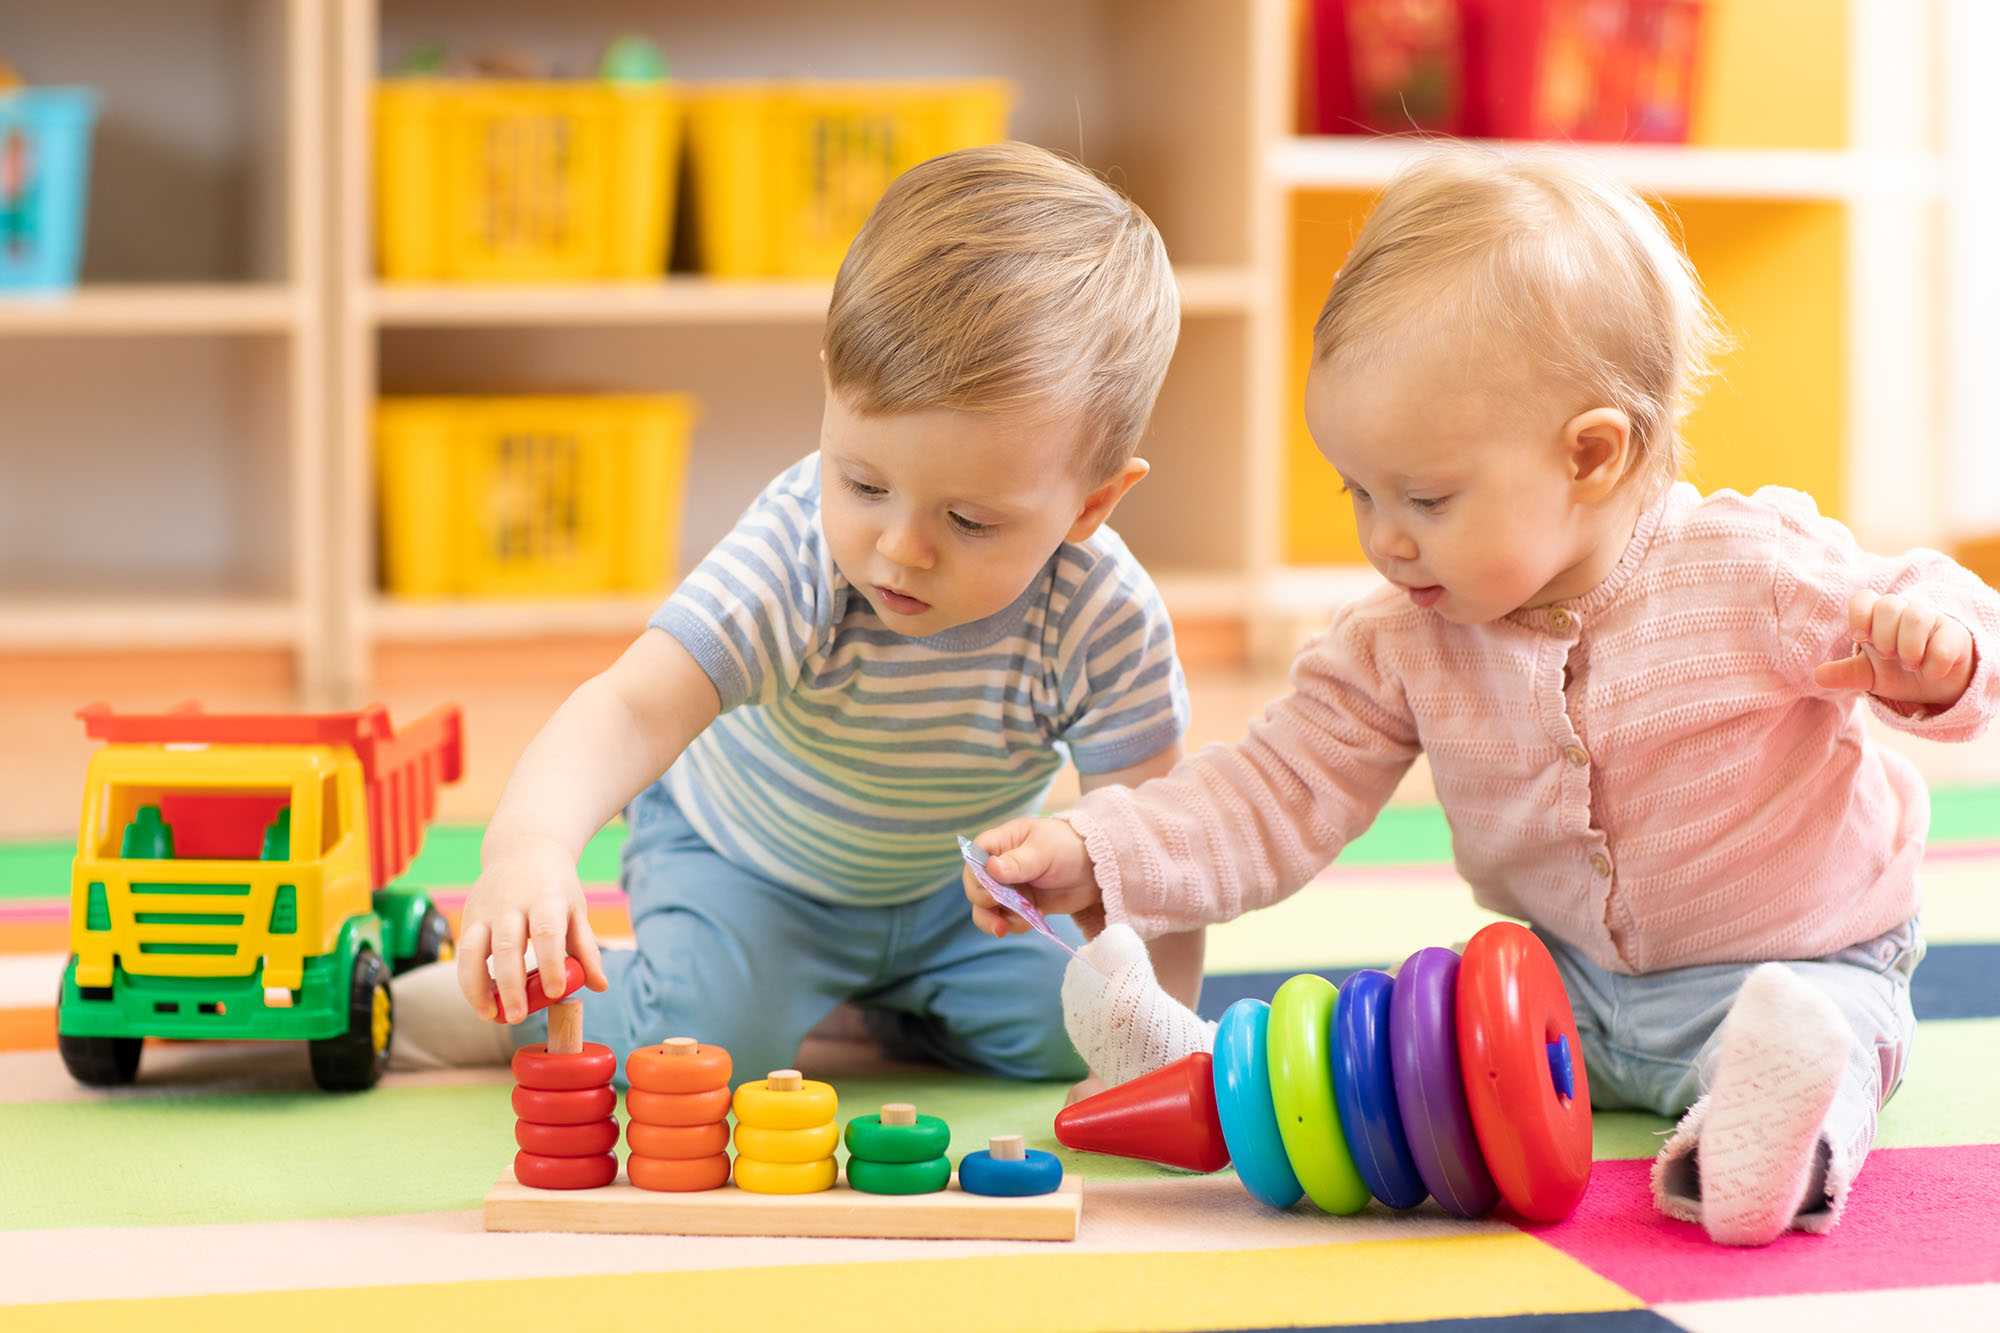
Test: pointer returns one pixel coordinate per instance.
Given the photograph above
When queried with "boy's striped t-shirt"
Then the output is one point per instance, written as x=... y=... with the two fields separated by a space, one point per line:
x=848 y=756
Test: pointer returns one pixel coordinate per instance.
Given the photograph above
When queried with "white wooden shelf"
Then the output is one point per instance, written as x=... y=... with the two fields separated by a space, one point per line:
x=142 y=309
x=50 y=621
x=1213 y=289
x=1338 y=162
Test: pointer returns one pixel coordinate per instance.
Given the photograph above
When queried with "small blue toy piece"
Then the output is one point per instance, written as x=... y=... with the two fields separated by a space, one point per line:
x=1243 y=1098
x=1005 y=1169
x=1364 y=1087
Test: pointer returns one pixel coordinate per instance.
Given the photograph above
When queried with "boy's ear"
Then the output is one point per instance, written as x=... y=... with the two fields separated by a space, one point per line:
x=1097 y=505
x=1598 y=447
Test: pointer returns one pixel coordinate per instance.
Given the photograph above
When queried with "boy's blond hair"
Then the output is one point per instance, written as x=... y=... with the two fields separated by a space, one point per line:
x=1553 y=260
x=1005 y=279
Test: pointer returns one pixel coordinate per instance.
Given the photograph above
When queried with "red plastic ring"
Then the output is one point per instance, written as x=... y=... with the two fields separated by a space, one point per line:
x=564 y=1173
x=591 y=1140
x=592 y=1067
x=677 y=1142
x=1511 y=1007
x=677 y=1108
x=578 y=1107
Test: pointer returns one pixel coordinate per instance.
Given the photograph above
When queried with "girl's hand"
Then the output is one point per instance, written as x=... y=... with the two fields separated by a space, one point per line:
x=1907 y=653
x=1046 y=860
x=530 y=893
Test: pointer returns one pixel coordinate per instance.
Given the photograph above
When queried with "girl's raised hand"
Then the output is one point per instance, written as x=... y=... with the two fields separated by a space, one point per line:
x=1906 y=652
x=1046 y=860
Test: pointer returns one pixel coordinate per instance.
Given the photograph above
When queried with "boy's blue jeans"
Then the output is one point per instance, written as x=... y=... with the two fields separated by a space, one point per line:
x=730 y=958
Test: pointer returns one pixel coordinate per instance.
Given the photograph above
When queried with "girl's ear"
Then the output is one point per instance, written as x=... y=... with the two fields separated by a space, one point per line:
x=1598 y=446
x=1097 y=505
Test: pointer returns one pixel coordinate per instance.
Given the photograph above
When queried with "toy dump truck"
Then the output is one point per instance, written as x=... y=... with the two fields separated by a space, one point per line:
x=232 y=881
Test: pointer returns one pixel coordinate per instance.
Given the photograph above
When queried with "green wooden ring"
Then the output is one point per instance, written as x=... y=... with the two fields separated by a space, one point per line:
x=872 y=1141
x=1301 y=1051
x=926 y=1177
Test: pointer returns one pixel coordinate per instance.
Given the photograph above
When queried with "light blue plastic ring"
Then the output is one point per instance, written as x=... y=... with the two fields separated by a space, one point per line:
x=1243 y=1096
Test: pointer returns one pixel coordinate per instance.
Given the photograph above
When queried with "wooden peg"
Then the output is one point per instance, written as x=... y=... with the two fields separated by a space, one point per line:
x=785 y=1080
x=899 y=1113
x=1007 y=1148
x=566 y=1027
x=679 y=1045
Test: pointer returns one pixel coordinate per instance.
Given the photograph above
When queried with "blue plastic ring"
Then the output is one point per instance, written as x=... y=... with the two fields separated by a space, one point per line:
x=1243 y=1096
x=980 y=1173
x=1364 y=1087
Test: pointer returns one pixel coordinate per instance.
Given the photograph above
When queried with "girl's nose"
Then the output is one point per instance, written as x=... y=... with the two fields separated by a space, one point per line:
x=1390 y=542
x=903 y=546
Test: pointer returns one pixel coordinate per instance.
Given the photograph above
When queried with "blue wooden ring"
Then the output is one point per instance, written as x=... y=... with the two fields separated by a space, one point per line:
x=1243 y=1096
x=980 y=1173
x=1423 y=1041
x=1364 y=1086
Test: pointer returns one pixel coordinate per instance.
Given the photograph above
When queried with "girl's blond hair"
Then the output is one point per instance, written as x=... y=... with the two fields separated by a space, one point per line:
x=1541 y=254
x=1003 y=279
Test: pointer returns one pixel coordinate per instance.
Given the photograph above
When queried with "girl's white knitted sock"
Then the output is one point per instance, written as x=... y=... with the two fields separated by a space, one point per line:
x=1121 y=1022
x=1743 y=1158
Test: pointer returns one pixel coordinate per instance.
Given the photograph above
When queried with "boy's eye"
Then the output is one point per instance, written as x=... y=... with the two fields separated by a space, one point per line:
x=1348 y=488
x=970 y=528
x=863 y=489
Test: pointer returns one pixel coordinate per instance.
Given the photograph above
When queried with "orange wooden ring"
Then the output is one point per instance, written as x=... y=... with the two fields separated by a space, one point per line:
x=678 y=1175
x=677 y=1142
x=591 y=1140
x=592 y=1067
x=578 y=1107
x=668 y=1068
x=677 y=1108
x=564 y=1173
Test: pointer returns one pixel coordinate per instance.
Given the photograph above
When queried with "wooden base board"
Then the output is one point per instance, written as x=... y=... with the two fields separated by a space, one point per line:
x=950 y=1214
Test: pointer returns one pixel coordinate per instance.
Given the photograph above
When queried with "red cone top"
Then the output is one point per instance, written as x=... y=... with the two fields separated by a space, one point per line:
x=1167 y=1116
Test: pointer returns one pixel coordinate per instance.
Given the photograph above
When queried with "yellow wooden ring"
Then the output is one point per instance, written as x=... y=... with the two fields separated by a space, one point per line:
x=785 y=1177
x=813 y=1103
x=787 y=1145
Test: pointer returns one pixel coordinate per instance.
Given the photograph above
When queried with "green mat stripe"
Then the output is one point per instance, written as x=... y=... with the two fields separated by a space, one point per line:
x=1402 y=835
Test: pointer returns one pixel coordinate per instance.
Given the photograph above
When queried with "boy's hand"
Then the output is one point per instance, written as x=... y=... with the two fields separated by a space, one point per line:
x=1045 y=859
x=1907 y=653
x=530 y=894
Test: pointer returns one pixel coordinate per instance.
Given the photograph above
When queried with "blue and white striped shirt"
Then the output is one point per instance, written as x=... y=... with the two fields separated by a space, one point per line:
x=847 y=756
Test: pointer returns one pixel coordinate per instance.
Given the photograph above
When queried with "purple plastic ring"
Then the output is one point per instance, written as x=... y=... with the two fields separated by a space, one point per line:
x=1430 y=1093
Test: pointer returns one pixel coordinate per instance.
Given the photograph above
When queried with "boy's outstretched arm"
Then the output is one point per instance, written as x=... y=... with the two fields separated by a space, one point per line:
x=613 y=736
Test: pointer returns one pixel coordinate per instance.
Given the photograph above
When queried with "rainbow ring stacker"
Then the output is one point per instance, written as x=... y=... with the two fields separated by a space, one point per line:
x=1301 y=1034
x=1423 y=1045
x=1364 y=1087
x=1243 y=1098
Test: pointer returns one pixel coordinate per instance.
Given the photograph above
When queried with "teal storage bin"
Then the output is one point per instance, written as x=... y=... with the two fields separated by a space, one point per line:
x=44 y=184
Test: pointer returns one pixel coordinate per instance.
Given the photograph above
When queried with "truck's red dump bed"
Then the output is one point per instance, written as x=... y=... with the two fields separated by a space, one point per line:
x=401 y=771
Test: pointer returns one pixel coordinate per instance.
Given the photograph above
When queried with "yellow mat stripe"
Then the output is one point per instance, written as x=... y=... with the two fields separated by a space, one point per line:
x=1363 y=1282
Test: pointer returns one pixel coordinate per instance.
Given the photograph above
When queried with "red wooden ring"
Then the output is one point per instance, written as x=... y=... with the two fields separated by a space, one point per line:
x=677 y=1108
x=591 y=1140
x=564 y=1173
x=678 y=1175
x=1511 y=1005
x=690 y=1069
x=577 y=1107
x=592 y=1067
x=677 y=1142
x=572 y=983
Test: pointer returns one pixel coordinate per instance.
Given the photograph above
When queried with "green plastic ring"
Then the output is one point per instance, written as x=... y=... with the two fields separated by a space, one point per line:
x=926 y=1177
x=872 y=1141
x=1301 y=1050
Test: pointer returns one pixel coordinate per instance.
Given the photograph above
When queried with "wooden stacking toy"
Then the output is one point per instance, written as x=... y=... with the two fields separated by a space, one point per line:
x=1459 y=1078
x=677 y=1114
x=898 y=1152
x=786 y=1134
x=563 y=1105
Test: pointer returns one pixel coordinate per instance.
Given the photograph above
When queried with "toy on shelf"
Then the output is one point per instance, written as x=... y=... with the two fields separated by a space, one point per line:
x=563 y=1098
x=233 y=880
x=677 y=1112
x=898 y=1152
x=45 y=141
x=1460 y=1078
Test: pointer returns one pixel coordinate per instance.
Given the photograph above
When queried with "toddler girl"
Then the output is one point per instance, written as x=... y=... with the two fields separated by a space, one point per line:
x=1643 y=706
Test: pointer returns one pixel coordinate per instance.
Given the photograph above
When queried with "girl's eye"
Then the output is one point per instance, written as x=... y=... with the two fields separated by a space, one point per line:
x=969 y=528
x=1428 y=504
x=863 y=489
x=1360 y=496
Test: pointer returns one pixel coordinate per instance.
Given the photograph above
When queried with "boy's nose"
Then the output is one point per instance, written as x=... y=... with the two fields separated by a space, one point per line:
x=903 y=546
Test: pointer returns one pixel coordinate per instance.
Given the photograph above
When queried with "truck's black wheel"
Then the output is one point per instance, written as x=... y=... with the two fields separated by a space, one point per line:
x=101 y=1062
x=434 y=942
x=354 y=1060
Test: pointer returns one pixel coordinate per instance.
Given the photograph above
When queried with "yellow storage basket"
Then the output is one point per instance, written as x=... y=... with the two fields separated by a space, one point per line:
x=782 y=175
x=524 y=182
x=531 y=496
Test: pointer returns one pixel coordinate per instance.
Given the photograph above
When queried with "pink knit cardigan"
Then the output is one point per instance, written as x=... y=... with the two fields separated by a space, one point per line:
x=1647 y=771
